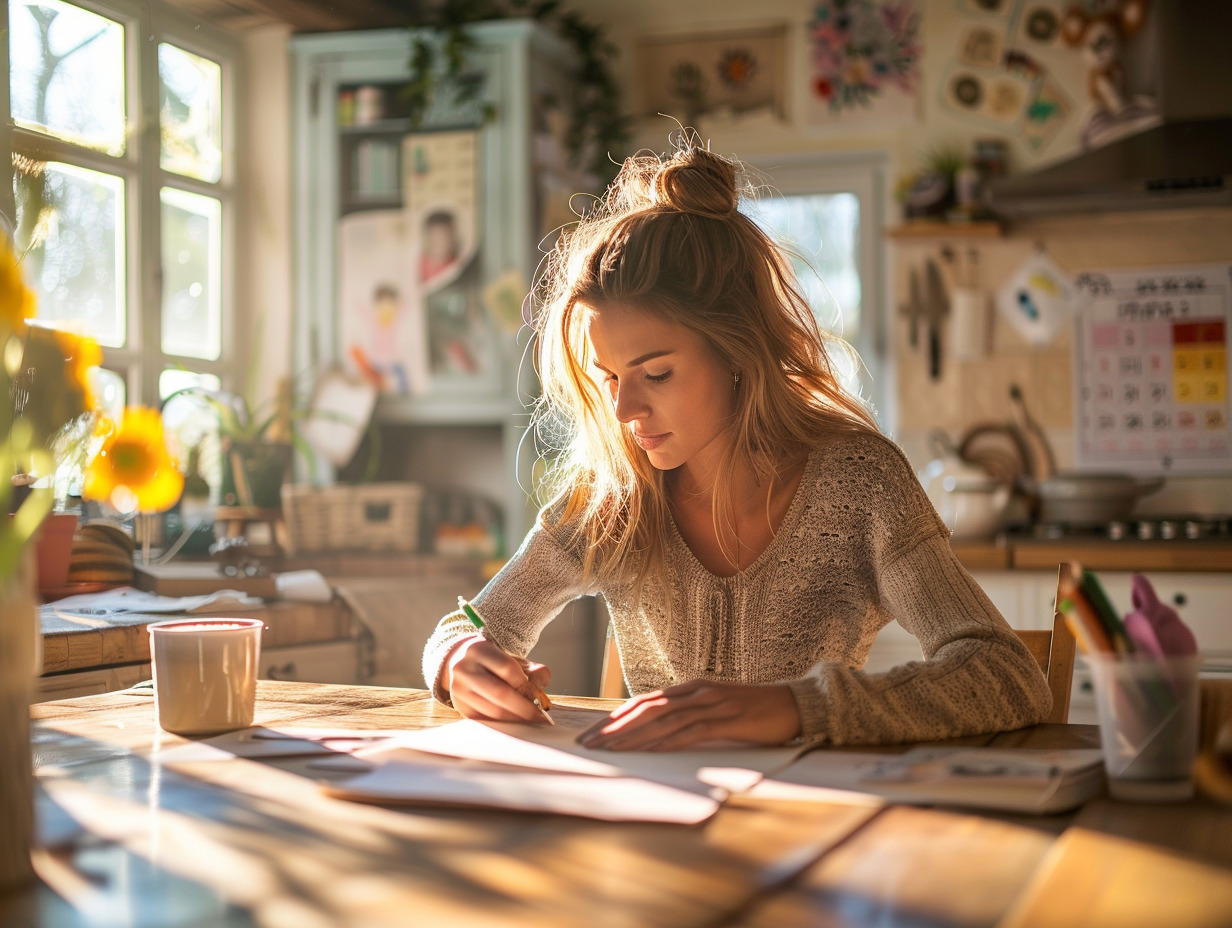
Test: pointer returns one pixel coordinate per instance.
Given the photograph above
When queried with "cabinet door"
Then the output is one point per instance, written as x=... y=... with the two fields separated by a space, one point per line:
x=332 y=662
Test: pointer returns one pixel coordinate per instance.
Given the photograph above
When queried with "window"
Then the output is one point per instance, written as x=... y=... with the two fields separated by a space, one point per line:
x=829 y=215
x=121 y=188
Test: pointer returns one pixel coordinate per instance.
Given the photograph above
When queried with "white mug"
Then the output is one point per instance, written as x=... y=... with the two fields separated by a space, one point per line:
x=205 y=673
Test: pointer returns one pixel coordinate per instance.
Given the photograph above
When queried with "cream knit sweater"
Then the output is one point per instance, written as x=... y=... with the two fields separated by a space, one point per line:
x=860 y=546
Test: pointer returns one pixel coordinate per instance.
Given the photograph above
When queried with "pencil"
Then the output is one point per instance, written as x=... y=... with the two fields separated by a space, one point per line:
x=540 y=699
x=1090 y=586
x=1080 y=616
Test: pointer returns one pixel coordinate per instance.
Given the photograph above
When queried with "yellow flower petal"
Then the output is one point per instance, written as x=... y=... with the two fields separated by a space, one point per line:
x=134 y=458
x=17 y=301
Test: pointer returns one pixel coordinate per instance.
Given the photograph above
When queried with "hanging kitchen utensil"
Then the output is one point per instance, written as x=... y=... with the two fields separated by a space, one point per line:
x=1040 y=464
x=937 y=307
x=969 y=315
x=1038 y=301
x=913 y=309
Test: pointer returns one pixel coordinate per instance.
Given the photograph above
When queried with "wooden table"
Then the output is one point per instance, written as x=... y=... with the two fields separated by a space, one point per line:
x=128 y=840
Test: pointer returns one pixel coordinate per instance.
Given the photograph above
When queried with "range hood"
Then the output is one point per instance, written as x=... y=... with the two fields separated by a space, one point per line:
x=1184 y=160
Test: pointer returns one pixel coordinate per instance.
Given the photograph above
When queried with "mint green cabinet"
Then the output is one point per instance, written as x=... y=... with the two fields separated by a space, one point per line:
x=447 y=347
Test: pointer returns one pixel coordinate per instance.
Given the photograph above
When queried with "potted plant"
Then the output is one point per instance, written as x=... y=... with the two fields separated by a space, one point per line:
x=596 y=124
x=256 y=445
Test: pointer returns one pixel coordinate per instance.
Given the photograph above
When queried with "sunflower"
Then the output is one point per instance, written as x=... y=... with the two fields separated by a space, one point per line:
x=133 y=469
x=17 y=301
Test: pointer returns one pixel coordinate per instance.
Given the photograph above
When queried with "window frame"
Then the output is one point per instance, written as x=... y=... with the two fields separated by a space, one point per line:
x=863 y=174
x=147 y=25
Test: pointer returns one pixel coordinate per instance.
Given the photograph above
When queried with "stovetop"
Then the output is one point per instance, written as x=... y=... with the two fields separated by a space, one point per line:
x=1178 y=528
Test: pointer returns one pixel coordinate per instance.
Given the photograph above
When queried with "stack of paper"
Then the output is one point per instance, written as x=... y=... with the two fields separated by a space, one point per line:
x=544 y=769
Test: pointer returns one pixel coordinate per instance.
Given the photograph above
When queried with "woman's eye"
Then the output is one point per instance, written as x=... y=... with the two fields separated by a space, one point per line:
x=659 y=378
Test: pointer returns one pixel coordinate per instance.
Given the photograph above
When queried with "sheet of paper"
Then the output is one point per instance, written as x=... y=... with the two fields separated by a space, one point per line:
x=731 y=767
x=258 y=743
x=607 y=798
x=126 y=600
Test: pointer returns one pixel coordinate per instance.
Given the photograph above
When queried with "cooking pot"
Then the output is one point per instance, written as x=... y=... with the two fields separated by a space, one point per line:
x=969 y=500
x=1073 y=498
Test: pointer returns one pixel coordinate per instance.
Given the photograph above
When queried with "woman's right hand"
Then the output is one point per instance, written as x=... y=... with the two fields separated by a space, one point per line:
x=486 y=683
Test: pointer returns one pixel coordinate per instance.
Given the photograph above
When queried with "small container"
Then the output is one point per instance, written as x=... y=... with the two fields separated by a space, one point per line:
x=205 y=673
x=1148 y=724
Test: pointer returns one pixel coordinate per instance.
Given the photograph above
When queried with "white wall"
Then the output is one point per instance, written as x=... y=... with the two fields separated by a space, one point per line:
x=264 y=212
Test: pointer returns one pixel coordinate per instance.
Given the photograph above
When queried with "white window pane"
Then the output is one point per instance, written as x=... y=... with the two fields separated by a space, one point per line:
x=823 y=233
x=66 y=73
x=72 y=222
x=111 y=392
x=192 y=274
x=176 y=379
x=190 y=110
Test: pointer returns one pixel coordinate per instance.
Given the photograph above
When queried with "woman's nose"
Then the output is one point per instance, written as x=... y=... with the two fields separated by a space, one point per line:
x=628 y=404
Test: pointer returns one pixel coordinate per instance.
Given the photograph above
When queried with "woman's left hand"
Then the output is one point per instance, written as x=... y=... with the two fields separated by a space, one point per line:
x=691 y=713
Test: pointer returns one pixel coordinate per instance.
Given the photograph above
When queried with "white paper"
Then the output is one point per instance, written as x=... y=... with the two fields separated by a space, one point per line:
x=261 y=742
x=605 y=798
x=731 y=768
x=125 y=599
x=1039 y=300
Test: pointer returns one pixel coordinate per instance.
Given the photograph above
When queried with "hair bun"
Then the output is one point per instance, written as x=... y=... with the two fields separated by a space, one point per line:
x=697 y=181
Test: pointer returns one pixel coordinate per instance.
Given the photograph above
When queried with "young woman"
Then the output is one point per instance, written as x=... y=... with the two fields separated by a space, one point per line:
x=747 y=525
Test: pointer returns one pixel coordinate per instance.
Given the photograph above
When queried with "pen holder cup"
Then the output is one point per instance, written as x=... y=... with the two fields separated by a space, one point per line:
x=1148 y=724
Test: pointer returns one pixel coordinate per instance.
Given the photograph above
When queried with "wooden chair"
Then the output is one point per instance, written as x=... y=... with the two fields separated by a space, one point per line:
x=1053 y=649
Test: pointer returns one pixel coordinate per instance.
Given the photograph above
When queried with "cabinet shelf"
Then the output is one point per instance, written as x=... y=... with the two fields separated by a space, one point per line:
x=938 y=228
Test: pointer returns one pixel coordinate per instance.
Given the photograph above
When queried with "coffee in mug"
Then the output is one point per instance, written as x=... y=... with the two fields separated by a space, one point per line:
x=205 y=673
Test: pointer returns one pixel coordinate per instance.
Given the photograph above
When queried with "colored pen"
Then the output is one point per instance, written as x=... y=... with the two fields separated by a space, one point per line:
x=541 y=701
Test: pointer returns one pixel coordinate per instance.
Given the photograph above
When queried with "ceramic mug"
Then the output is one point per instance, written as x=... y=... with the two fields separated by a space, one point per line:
x=205 y=673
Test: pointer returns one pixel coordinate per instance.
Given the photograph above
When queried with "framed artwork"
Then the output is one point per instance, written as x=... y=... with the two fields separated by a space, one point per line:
x=864 y=62
x=733 y=73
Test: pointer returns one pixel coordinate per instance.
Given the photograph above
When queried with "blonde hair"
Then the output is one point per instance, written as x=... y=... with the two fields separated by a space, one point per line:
x=668 y=238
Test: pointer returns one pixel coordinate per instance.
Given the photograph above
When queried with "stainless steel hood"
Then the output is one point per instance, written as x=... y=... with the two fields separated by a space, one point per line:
x=1185 y=160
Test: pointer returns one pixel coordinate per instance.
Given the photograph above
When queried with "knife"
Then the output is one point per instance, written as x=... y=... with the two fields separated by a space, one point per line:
x=913 y=309
x=936 y=307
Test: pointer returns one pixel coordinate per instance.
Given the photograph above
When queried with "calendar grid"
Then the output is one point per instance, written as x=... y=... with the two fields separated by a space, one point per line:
x=1151 y=370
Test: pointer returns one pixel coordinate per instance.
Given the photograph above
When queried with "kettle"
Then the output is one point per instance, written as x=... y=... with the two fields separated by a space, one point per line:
x=970 y=501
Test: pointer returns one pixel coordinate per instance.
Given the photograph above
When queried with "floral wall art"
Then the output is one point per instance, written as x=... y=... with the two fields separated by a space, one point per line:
x=737 y=73
x=864 y=62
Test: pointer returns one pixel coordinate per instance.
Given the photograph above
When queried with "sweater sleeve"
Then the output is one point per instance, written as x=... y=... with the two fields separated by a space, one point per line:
x=525 y=595
x=977 y=676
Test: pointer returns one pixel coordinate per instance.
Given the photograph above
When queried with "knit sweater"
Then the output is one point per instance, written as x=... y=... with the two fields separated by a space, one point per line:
x=859 y=547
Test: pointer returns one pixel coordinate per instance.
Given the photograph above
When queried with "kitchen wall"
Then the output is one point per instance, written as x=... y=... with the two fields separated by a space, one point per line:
x=971 y=392
x=967 y=393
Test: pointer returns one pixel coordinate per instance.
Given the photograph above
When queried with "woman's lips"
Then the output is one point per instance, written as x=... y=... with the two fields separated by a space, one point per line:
x=650 y=442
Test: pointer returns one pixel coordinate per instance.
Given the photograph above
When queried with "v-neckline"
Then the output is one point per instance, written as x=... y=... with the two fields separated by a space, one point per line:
x=790 y=517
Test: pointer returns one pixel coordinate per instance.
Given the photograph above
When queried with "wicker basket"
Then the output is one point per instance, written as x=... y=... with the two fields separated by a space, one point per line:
x=370 y=517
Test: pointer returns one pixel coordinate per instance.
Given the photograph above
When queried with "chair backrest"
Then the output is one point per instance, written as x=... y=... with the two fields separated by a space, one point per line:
x=1053 y=649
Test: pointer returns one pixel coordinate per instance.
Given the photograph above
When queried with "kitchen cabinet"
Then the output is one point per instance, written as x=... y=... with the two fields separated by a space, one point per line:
x=458 y=420
x=308 y=642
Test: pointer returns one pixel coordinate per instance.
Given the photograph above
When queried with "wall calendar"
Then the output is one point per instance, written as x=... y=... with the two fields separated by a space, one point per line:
x=1151 y=370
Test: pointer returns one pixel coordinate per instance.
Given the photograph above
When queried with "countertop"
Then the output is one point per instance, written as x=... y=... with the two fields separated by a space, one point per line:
x=1097 y=554
x=81 y=642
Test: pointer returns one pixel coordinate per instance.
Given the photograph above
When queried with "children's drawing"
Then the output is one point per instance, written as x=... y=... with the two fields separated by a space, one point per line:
x=381 y=323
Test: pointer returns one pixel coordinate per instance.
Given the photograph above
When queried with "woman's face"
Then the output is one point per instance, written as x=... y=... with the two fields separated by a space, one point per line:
x=666 y=385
